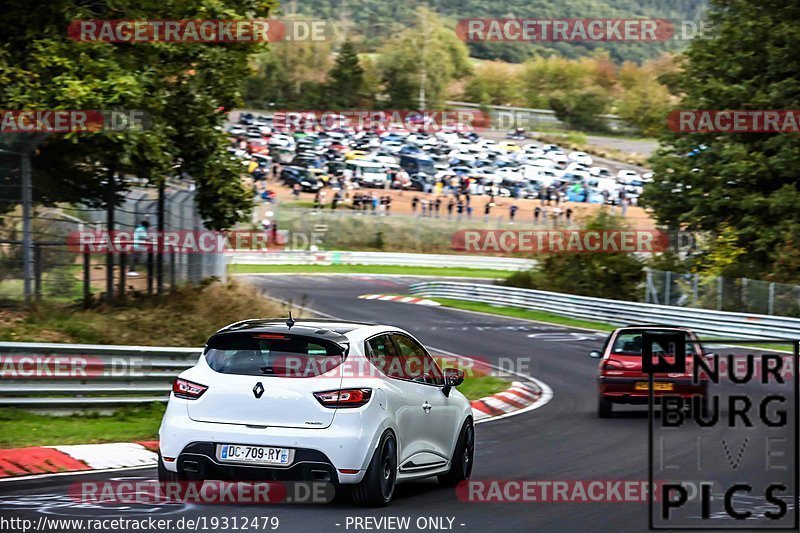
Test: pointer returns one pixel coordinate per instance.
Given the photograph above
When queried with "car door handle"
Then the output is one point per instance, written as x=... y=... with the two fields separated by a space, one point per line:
x=426 y=407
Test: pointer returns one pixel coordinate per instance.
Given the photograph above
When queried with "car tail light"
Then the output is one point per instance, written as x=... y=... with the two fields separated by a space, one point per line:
x=187 y=390
x=612 y=364
x=344 y=397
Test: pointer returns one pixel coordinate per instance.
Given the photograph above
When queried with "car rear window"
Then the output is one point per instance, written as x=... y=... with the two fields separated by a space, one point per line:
x=277 y=355
x=630 y=343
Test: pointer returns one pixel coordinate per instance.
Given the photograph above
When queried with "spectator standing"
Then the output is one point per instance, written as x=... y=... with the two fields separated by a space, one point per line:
x=140 y=245
x=437 y=204
x=450 y=205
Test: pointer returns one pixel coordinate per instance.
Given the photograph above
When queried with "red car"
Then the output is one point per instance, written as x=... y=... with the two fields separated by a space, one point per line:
x=621 y=379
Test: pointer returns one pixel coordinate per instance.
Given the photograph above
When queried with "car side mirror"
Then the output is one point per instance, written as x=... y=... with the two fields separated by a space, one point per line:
x=595 y=354
x=453 y=377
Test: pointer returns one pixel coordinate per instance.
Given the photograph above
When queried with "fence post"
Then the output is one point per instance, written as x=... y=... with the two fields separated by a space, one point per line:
x=719 y=293
x=37 y=272
x=695 y=288
x=87 y=287
x=771 y=304
x=744 y=294
x=172 y=272
x=122 y=273
x=667 y=287
x=149 y=270
x=27 y=228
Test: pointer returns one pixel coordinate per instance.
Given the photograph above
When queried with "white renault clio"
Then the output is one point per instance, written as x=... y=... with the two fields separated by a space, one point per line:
x=349 y=403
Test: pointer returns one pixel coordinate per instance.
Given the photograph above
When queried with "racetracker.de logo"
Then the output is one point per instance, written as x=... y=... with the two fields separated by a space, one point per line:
x=560 y=241
x=565 y=30
x=462 y=120
x=553 y=491
x=72 y=121
x=734 y=121
x=199 y=31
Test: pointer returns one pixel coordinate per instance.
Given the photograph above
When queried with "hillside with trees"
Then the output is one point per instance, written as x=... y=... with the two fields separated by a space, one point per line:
x=375 y=21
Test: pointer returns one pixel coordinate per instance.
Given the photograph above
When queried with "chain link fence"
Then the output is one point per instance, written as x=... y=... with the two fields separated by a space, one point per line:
x=722 y=294
x=63 y=273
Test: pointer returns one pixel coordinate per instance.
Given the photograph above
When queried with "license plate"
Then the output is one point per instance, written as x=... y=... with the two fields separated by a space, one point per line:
x=237 y=453
x=658 y=385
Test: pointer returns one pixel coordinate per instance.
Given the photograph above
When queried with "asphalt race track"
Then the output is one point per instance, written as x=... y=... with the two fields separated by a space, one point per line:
x=563 y=440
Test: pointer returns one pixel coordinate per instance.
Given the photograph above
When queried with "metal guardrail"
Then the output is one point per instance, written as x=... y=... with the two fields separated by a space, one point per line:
x=709 y=322
x=380 y=258
x=55 y=377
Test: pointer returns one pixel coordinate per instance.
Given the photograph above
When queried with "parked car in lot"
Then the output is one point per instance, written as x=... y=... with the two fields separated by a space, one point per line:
x=622 y=380
x=308 y=179
x=367 y=173
x=581 y=157
x=358 y=405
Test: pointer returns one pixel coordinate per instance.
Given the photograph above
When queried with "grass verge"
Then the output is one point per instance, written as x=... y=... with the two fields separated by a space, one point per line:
x=130 y=424
x=542 y=316
x=539 y=316
x=370 y=269
x=478 y=387
x=183 y=317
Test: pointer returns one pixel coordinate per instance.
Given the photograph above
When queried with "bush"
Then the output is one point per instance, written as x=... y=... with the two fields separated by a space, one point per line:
x=601 y=275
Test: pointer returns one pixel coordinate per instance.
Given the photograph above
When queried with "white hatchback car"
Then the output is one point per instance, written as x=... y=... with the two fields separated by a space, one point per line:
x=348 y=403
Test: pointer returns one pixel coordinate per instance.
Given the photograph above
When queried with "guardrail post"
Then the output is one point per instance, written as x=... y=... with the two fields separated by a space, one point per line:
x=667 y=287
x=719 y=293
x=695 y=288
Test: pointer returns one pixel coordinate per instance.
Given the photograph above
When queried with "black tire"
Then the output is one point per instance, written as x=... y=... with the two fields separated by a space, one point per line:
x=377 y=487
x=168 y=476
x=463 y=457
x=604 y=408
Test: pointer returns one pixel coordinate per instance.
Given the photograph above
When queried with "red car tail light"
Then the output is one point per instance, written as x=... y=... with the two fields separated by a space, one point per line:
x=612 y=364
x=183 y=388
x=344 y=397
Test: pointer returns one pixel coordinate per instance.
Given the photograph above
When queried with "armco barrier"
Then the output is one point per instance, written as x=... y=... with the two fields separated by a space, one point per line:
x=708 y=322
x=380 y=258
x=58 y=377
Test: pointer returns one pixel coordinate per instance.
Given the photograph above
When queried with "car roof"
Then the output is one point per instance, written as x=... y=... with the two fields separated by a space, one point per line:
x=280 y=325
x=329 y=330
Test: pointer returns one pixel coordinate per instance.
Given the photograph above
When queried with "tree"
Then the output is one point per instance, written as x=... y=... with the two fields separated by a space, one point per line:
x=581 y=110
x=429 y=55
x=748 y=181
x=180 y=86
x=600 y=275
x=345 y=87
x=289 y=75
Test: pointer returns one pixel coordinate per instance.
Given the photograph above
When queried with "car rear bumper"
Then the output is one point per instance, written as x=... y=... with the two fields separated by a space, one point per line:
x=198 y=460
x=346 y=444
x=623 y=389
